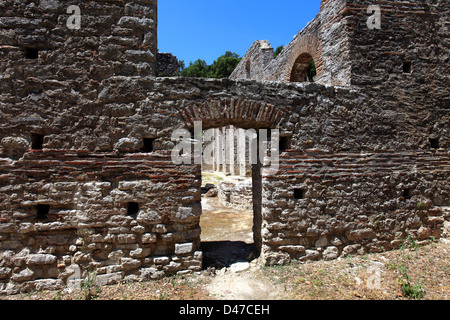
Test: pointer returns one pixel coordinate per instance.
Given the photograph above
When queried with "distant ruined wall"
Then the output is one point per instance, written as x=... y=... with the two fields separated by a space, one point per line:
x=168 y=65
x=253 y=64
x=86 y=176
x=324 y=39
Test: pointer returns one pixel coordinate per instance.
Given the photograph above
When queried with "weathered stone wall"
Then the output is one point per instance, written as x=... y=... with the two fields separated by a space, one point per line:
x=254 y=62
x=324 y=204
x=405 y=65
x=324 y=39
x=115 y=38
x=168 y=65
x=89 y=192
x=236 y=195
x=86 y=177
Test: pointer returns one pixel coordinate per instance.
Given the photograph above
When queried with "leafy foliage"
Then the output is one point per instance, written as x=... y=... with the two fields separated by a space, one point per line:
x=221 y=68
x=197 y=69
x=278 y=51
x=311 y=71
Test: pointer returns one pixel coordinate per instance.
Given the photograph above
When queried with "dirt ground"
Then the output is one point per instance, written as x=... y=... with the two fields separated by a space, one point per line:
x=414 y=272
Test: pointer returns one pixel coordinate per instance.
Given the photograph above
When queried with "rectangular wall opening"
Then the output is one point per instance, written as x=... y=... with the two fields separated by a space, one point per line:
x=231 y=206
x=434 y=143
x=132 y=209
x=285 y=144
x=407 y=194
x=37 y=141
x=299 y=193
x=407 y=67
x=148 y=144
x=42 y=211
x=31 y=53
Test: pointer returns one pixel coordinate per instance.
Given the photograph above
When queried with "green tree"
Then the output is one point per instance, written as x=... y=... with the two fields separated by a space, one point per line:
x=182 y=64
x=311 y=71
x=278 y=51
x=197 y=69
x=224 y=65
x=221 y=68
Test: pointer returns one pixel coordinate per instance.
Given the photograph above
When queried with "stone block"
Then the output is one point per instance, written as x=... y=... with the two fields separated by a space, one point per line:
x=41 y=259
x=149 y=238
x=46 y=284
x=239 y=267
x=129 y=263
x=184 y=248
x=108 y=279
x=330 y=253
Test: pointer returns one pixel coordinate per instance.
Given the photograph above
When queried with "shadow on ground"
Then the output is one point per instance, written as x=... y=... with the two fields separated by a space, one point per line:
x=222 y=254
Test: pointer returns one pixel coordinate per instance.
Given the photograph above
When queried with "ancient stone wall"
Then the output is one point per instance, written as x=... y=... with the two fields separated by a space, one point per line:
x=87 y=182
x=324 y=204
x=254 y=62
x=130 y=213
x=39 y=42
x=236 y=195
x=168 y=65
x=405 y=65
x=323 y=40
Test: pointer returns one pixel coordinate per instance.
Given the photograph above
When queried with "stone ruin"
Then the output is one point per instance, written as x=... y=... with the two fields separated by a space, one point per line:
x=86 y=177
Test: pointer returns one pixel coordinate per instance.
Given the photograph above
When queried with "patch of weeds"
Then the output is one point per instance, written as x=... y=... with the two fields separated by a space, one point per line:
x=58 y=295
x=300 y=280
x=317 y=281
x=89 y=289
x=409 y=290
x=409 y=243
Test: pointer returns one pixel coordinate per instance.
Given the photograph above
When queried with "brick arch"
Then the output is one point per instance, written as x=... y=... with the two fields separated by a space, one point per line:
x=307 y=45
x=241 y=113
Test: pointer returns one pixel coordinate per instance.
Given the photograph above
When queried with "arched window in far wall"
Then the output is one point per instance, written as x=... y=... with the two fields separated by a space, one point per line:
x=304 y=69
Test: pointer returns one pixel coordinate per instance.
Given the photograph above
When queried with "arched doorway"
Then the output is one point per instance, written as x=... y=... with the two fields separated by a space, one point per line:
x=303 y=69
x=245 y=115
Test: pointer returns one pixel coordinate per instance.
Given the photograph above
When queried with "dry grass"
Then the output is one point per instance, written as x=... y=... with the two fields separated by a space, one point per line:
x=383 y=276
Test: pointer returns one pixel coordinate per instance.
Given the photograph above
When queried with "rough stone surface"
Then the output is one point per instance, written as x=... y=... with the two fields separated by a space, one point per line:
x=239 y=267
x=236 y=195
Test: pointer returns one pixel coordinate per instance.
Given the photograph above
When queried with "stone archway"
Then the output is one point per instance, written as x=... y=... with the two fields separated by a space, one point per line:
x=307 y=48
x=299 y=71
x=243 y=114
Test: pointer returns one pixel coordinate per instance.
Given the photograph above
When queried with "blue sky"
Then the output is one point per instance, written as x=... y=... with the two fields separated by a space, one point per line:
x=206 y=29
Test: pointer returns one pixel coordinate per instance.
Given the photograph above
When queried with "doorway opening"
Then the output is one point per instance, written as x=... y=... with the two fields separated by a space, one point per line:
x=231 y=203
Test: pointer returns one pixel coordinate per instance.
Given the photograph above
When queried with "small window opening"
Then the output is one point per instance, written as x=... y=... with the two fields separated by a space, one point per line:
x=133 y=208
x=299 y=194
x=248 y=69
x=407 y=67
x=284 y=144
x=148 y=145
x=37 y=141
x=31 y=53
x=407 y=194
x=42 y=211
x=434 y=142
